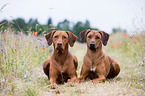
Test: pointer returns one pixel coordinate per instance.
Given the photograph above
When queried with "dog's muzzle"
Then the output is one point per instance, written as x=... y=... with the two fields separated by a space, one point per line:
x=92 y=46
x=59 y=47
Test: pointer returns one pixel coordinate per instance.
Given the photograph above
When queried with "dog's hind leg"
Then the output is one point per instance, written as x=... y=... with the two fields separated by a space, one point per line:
x=75 y=61
x=46 y=67
x=114 y=71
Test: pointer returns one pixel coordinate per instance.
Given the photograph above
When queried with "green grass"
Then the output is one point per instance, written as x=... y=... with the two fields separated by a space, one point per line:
x=21 y=72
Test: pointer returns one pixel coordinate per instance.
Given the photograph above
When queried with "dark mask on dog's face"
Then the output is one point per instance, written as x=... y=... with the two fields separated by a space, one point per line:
x=94 y=40
x=60 y=40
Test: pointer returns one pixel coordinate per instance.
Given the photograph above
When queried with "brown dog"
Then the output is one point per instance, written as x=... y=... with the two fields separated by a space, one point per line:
x=62 y=65
x=96 y=65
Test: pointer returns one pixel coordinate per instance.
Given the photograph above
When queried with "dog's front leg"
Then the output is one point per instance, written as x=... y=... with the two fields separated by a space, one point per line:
x=53 y=82
x=100 y=79
x=82 y=78
x=72 y=80
x=53 y=76
x=72 y=74
x=100 y=70
x=84 y=73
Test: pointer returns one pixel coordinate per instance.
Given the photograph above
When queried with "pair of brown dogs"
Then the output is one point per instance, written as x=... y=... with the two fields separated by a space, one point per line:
x=62 y=66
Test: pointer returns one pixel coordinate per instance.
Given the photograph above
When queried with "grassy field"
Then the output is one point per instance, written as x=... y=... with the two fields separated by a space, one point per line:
x=21 y=74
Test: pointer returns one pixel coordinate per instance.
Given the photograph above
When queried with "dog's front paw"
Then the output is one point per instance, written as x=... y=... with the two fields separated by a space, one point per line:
x=94 y=81
x=54 y=86
x=72 y=81
x=69 y=81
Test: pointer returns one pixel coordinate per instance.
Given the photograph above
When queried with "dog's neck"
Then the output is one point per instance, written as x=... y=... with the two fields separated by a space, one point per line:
x=61 y=56
x=95 y=57
x=94 y=53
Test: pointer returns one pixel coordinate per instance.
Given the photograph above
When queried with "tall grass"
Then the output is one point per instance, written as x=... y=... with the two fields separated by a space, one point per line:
x=21 y=59
x=22 y=56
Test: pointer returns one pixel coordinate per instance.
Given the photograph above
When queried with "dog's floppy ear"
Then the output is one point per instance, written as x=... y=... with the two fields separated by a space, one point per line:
x=72 y=38
x=49 y=36
x=83 y=35
x=105 y=37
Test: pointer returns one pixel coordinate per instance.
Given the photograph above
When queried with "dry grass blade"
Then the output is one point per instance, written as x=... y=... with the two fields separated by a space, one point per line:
x=3 y=7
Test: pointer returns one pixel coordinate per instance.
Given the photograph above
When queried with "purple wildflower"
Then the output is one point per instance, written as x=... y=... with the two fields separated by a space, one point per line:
x=2 y=49
x=50 y=50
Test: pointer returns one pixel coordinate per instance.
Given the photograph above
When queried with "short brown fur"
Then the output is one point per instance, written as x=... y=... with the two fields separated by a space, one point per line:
x=62 y=65
x=96 y=65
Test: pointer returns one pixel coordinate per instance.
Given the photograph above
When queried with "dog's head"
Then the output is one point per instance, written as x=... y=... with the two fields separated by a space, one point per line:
x=94 y=39
x=60 y=39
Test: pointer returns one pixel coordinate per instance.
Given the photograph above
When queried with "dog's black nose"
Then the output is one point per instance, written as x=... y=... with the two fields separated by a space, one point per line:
x=59 y=43
x=92 y=44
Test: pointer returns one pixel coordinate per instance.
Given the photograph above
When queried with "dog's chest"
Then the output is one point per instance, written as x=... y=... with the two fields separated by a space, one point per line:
x=62 y=66
x=90 y=62
x=94 y=61
x=93 y=67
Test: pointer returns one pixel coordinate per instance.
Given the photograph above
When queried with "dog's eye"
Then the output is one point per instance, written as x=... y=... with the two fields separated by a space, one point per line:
x=64 y=37
x=55 y=36
x=97 y=37
x=89 y=36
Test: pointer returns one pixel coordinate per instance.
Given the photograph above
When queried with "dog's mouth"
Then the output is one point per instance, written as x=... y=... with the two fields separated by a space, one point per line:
x=59 y=50
x=92 y=46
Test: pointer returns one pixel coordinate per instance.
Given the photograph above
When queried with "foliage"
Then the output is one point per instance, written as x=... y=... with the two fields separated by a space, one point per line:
x=19 y=24
x=65 y=25
x=33 y=25
x=115 y=30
